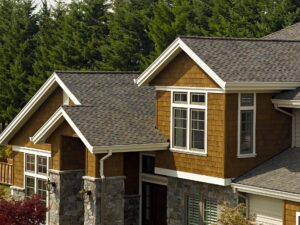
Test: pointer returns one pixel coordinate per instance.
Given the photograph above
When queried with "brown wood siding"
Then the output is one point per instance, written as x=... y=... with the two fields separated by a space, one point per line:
x=18 y=169
x=91 y=164
x=183 y=71
x=273 y=134
x=163 y=109
x=55 y=140
x=131 y=171
x=36 y=121
x=213 y=163
x=290 y=209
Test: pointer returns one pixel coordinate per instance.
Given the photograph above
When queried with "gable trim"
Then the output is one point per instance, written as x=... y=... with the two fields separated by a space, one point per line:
x=173 y=50
x=53 y=122
x=35 y=102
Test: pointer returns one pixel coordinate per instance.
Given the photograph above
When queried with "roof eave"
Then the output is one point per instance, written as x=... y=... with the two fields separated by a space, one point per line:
x=261 y=86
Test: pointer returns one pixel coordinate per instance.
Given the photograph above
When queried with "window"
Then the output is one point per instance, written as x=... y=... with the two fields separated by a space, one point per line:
x=36 y=175
x=193 y=210
x=189 y=123
x=210 y=212
x=298 y=218
x=148 y=164
x=247 y=116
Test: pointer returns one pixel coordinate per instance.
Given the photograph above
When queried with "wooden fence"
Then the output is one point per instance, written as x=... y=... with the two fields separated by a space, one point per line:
x=6 y=173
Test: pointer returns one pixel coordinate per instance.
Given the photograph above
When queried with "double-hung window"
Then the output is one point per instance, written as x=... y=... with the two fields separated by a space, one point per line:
x=246 y=124
x=189 y=113
x=36 y=170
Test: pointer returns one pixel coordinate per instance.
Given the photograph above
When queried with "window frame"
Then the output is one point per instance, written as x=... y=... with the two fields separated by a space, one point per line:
x=188 y=106
x=297 y=218
x=240 y=109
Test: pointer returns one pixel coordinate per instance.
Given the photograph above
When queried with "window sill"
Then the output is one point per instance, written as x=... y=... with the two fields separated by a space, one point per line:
x=189 y=152
x=247 y=156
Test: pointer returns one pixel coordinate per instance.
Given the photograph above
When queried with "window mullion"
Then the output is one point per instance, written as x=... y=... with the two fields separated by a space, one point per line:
x=188 y=140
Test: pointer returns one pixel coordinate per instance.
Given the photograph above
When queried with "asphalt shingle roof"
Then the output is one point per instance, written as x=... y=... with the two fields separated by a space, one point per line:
x=249 y=60
x=289 y=33
x=114 y=111
x=289 y=95
x=281 y=173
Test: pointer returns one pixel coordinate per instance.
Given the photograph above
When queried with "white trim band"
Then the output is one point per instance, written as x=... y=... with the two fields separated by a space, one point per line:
x=193 y=176
x=31 y=151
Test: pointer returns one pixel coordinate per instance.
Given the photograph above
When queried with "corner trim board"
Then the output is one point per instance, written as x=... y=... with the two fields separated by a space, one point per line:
x=193 y=176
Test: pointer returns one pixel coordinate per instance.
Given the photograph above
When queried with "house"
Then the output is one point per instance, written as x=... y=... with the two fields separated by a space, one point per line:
x=210 y=120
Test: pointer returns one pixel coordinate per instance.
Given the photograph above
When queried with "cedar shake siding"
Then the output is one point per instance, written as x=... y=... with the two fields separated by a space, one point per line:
x=18 y=172
x=37 y=120
x=182 y=71
x=213 y=163
x=273 y=134
x=290 y=209
x=163 y=112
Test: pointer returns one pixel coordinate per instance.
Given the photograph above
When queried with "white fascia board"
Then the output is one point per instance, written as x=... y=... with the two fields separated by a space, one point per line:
x=177 y=46
x=260 y=86
x=193 y=177
x=286 y=103
x=266 y=192
x=31 y=150
x=54 y=121
x=132 y=148
x=34 y=103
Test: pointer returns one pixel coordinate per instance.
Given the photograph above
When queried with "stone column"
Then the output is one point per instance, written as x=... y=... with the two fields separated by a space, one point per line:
x=105 y=204
x=65 y=202
x=17 y=193
x=132 y=209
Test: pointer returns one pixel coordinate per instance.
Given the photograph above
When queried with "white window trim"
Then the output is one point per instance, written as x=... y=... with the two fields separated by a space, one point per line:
x=297 y=218
x=253 y=154
x=189 y=106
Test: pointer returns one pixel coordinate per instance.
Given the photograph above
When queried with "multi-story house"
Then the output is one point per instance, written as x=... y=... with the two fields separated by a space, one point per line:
x=210 y=120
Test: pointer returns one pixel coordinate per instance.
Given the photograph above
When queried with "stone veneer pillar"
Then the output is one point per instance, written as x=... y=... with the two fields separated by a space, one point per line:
x=105 y=204
x=17 y=193
x=65 y=202
x=132 y=209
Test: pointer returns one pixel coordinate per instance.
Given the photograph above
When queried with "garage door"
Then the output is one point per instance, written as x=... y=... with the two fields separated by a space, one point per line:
x=266 y=211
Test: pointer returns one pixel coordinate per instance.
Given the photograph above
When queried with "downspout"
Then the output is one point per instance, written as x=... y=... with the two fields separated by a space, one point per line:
x=293 y=122
x=102 y=206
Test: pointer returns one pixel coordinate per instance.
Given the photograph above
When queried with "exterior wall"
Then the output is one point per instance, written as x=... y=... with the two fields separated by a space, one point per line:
x=296 y=113
x=131 y=172
x=178 y=189
x=91 y=164
x=163 y=112
x=265 y=210
x=52 y=103
x=213 y=163
x=182 y=71
x=18 y=170
x=273 y=134
x=290 y=209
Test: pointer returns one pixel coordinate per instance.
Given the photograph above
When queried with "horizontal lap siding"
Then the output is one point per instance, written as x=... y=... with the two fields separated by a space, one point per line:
x=273 y=134
x=18 y=169
x=290 y=209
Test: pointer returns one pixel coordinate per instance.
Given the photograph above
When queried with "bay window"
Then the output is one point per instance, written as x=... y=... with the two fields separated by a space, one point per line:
x=189 y=112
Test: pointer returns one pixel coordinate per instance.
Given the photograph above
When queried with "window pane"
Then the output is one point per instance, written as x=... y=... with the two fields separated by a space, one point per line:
x=180 y=122
x=42 y=164
x=247 y=99
x=197 y=128
x=180 y=97
x=210 y=212
x=30 y=186
x=148 y=164
x=42 y=189
x=193 y=210
x=30 y=162
x=246 y=138
x=197 y=98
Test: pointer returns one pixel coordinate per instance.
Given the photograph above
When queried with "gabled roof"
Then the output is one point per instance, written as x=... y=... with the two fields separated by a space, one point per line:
x=289 y=33
x=236 y=62
x=35 y=102
x=114 y=114
x=281 y=174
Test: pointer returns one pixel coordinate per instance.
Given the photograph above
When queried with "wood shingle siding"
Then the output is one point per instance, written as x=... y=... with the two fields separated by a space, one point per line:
x=36 y=121
x=182 y=71
x=163 y=112
x=18 y=171
x=213 y=163
x=273 y=134
x=290 y=209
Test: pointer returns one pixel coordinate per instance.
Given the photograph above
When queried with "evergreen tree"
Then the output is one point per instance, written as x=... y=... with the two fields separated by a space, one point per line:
x=128 y=42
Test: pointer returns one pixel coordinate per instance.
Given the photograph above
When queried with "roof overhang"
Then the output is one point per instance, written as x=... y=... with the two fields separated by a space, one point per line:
x=266 y=192
x=60 y=116
x=170 y=53
x=35 y=102
x=284 y=103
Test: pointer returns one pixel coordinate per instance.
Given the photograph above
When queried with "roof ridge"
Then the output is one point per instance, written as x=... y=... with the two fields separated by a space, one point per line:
x=238 y=39
x=97 y=72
